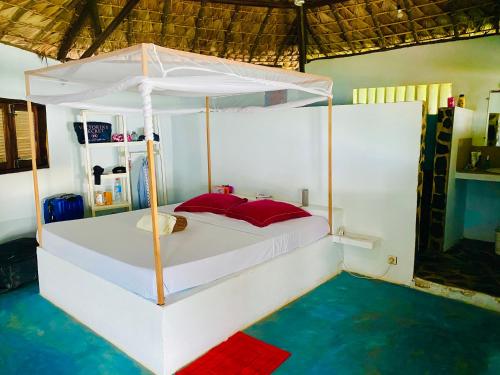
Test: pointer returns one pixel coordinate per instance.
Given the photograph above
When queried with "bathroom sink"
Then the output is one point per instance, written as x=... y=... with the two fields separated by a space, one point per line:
x=493 y=170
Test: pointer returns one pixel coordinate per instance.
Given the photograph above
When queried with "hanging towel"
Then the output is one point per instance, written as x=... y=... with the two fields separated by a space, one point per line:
x=143 y=185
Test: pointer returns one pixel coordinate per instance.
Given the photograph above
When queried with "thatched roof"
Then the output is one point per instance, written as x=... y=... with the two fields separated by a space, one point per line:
x=266 y=32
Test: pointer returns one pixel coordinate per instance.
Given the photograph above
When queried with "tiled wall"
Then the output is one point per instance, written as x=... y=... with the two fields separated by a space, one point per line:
x=440 y=178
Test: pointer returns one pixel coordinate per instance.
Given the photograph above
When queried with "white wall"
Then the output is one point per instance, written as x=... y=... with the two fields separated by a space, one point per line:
x=473 y=66
x=482 y=210
x=17 y=210
x=375 y=155
x=375 y=159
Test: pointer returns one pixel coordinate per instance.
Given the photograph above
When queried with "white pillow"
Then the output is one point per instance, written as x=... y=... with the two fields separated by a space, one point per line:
x=166 y=223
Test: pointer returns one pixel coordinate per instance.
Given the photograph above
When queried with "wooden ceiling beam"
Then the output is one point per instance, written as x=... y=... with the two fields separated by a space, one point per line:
x=254 y=3
x=262 y=27
x=321 y=3
x=197 y=22
x=343 y=30
x=453 y=16
x=111 y=27
x=229 y=30
x=95 y=20
x=315 y=38
x=381 y=38
x=283 y=4
x=76 y=26
x=411 y=22
x=164 y=21
x=285 y=42
x=302 y=38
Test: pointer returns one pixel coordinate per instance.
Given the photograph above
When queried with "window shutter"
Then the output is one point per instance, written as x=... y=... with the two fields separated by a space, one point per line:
x=3 y=151
x=23 y=135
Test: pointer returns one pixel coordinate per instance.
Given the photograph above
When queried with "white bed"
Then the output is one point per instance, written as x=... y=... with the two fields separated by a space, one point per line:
x=104 y=278
x=100 y=271
x=211 y=247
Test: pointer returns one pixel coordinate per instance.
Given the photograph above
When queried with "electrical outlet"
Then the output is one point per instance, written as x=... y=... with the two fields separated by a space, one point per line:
x=393 y=260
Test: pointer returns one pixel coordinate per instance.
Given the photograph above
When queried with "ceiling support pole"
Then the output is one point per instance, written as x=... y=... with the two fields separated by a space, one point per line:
x=31 y=124
x=302 y=38
x=330 y=162
x=207 y=131
x=148 y=132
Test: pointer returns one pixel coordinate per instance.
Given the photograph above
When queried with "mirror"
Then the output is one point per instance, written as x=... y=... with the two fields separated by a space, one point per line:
x=493 y=131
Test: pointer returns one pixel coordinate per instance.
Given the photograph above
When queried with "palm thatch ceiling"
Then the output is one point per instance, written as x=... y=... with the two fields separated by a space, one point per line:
x=268 y=32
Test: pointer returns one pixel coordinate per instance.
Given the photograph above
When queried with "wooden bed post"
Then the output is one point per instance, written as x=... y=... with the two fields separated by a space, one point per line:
x=330 y=202
x=34 y=167
x=207 y=129
x=153 y=194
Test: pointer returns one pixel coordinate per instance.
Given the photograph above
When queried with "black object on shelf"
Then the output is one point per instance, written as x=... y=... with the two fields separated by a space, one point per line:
x=156 y=137
x=98 y=132
x=98 y=170
x=119 y=169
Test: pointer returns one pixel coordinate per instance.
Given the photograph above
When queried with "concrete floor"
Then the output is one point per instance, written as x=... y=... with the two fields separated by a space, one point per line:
x=346 y=326
x=470 y=264
x=357 y=326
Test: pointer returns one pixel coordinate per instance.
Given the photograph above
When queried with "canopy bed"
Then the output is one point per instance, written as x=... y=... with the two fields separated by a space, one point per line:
x=218 y=277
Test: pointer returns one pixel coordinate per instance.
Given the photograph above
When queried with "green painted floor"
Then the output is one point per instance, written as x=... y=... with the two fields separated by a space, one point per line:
x=346 y=326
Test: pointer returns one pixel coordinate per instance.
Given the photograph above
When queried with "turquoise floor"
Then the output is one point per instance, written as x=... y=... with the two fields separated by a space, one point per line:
x=37 y=338
x=346 y=326
x=357 y=326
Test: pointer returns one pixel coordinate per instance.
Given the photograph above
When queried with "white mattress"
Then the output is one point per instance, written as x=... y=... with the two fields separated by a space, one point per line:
x=211 y=247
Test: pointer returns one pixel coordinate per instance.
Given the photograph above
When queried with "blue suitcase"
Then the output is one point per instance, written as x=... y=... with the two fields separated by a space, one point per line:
x=63 y=207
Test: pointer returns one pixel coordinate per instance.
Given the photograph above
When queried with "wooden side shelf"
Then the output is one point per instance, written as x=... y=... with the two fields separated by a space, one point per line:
x=113 y=206
x=358 y=240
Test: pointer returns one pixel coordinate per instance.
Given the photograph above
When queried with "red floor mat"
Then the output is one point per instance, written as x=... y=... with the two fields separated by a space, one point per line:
x=240 y=354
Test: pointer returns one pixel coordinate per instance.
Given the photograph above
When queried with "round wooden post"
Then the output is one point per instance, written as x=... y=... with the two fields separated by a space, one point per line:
x=207 y=130
x=34 y=167
x=148 y=130
x=330 y=188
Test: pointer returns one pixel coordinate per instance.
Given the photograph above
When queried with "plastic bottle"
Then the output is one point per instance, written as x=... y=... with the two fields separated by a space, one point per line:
x=118 y=191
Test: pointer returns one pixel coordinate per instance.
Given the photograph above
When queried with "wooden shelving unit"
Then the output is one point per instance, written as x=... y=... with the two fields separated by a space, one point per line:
x=123 y=157
x=125 y=151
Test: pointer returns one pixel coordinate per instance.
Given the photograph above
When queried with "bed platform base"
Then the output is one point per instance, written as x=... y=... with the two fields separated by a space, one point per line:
x=166 y=338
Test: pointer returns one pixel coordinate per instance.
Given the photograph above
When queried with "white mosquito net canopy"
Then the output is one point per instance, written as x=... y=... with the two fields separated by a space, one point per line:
x=177 y=82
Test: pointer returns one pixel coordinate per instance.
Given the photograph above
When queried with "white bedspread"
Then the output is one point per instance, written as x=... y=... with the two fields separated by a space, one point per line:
x=211 y=247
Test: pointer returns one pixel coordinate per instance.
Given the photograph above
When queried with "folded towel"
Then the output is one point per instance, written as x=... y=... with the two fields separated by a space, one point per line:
x=166 y=223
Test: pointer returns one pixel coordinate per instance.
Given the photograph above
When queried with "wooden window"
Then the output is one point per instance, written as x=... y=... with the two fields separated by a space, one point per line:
x=15 y=148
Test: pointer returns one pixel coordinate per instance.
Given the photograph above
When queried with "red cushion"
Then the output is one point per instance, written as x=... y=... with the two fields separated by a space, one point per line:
x=210 y=202
x=263 y=212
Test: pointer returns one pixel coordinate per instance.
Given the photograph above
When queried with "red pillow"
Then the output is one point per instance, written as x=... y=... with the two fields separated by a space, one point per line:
x=263 y=212
x=210 y=202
